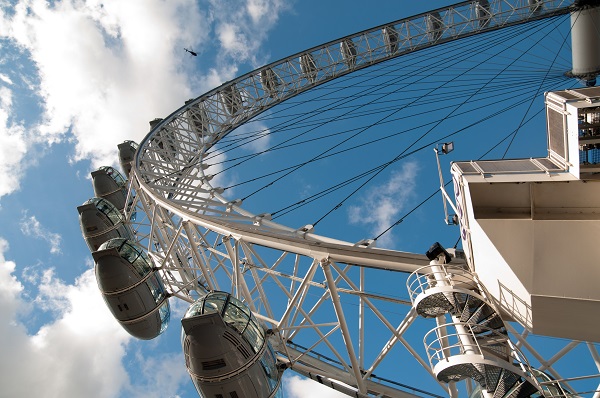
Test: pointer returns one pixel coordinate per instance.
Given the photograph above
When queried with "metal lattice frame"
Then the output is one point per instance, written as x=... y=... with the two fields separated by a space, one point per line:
x=296 y=282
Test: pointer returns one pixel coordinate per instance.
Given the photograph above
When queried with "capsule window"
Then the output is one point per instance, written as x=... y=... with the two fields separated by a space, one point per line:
x=108 y=209
x=165 y=315
x=158 y=292
x=254 y=335
x=114 y=174
x=132 y=254
x=236 y=317
x=214 y=302
x=270 y=367
x=195 y=309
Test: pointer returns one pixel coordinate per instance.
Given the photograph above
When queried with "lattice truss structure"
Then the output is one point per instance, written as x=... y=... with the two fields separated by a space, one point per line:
x=309 y=290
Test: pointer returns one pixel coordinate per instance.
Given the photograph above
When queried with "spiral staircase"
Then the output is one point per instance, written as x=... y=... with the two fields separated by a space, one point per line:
x=475 y=343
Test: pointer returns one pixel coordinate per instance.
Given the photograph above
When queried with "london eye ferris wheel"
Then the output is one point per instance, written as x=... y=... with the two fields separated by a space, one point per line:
x=250 y=202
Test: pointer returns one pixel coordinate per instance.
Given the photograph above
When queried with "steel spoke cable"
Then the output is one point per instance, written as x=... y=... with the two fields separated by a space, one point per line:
x=401 y=219
x=379 y=139
x=329 y=149
x=374 y=175
x=345 y=98
x=546 y=22
x=218 y=152
x=531 y=103
x=460 y=49
x=513 y=132
x=283 y=126
x=352 y=116
x=313 y=98
x=258 y=137
x=314 y=128
x=561 y=78
x=483 y=38
x=344 y=183
x=348 y=149
x=510 y=83
x=188 y=166
x=215 y=153
x=420 y=55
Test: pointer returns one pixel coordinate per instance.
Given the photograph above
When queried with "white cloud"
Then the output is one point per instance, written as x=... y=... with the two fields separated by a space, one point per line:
x=213 y=78
x=231 y=39
x=105 y=68
x=382 y=205
x=13 y=148
x=265 y=12
x=63 y=358
x=30 y=226
x=298 y=387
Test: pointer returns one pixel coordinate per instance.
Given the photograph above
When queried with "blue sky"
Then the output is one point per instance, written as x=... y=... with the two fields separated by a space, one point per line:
x=76 y=79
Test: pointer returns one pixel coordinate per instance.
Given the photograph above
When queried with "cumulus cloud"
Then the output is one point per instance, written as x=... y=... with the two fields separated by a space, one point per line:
x=80 y=352
x=30 y=226
x=103 y=69
x=62 y=358
x=382 y=205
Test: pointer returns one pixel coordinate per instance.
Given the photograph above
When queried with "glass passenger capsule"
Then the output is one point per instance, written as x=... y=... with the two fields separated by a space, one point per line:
x=226 y=350
x=131 y=288
x=127 y=151
x=100 y=221
x=109 y=184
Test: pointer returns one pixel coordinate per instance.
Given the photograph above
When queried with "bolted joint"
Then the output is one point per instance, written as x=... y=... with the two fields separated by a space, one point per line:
x=324 y=262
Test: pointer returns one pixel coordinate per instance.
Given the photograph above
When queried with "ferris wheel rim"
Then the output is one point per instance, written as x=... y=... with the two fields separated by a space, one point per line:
x=259 y=228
